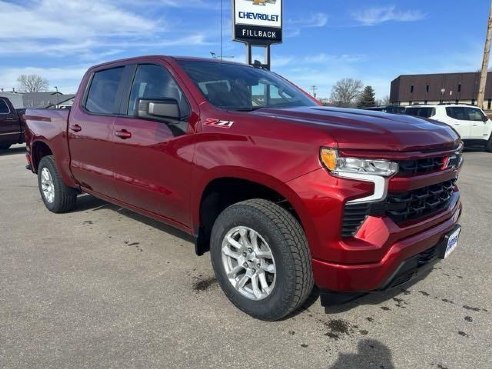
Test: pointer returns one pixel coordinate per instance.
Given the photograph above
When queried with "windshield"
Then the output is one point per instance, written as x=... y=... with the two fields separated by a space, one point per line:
x=241 y=87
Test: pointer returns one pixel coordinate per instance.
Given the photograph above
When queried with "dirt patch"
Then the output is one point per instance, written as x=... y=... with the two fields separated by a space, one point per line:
x=204 y=284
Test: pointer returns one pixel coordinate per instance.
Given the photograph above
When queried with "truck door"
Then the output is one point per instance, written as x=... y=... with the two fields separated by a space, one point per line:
x=479 y=124
x=152 y=158
x=458 y=119
x=9 y=124
x=90 y=131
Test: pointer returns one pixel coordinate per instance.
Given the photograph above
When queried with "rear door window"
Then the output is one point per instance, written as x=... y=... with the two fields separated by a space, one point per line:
x=102 y=97
x=421 y=112
x=4 y=108
x=457 y=112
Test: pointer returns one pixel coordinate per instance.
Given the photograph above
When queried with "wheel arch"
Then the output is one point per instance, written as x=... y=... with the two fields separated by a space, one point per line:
x=39 y=150
x=222 y=191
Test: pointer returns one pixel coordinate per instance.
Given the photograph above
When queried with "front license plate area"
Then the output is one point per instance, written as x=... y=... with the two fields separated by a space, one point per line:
x=451 y=242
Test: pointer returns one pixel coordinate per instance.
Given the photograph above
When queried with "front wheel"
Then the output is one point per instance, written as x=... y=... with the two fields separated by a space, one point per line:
x=488 y=145
x=261 y=259
x=57 y=197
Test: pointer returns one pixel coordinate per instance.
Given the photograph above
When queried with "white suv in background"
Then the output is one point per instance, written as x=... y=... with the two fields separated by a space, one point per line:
x=472 y=124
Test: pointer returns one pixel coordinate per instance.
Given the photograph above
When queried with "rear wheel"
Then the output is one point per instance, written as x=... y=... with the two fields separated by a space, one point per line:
x=57 y=197
x=261 y=259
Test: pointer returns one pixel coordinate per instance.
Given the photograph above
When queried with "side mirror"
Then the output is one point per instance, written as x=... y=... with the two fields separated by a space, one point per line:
x=159 y=109
x=485 y=118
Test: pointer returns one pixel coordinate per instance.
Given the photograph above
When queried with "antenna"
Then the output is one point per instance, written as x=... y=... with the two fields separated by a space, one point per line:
x=221 y=27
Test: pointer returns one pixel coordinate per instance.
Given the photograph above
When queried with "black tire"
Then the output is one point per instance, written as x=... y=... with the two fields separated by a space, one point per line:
x=286 y=239
x=4 y=147
x=488 y=145
x=65 y=198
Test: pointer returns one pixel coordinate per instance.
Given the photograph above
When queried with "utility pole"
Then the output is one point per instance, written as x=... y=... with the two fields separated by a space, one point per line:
x=314 y=88
x=485 y=63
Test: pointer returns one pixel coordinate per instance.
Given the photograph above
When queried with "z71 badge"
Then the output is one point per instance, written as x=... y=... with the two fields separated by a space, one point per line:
x=219 y=123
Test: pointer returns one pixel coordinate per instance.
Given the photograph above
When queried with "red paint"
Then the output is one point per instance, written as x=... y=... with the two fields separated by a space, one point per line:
x=145 y=166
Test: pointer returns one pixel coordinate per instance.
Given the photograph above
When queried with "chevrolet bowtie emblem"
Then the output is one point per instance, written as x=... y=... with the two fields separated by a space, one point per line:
x=263 y=2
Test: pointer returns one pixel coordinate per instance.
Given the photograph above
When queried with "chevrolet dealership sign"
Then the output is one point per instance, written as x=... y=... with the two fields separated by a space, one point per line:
x=258 y=21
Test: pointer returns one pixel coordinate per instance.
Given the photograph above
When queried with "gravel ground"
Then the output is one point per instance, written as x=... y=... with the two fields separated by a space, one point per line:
x=102 y=287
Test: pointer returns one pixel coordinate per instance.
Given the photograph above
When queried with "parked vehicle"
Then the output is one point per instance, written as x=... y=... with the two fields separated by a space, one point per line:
x=11 y=125
x=472 y=124
x=392 y=109
x=283 y=192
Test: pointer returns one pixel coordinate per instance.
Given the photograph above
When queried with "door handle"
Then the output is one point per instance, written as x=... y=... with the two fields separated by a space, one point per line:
x=75 y=128
x=123 y=134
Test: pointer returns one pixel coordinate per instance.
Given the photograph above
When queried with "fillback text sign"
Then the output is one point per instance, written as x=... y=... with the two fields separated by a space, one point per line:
x=258 y=22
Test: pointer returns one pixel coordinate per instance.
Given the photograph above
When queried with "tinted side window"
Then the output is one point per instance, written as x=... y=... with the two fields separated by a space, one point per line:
x=102 y=95
x=457 y=112
x=421 y=112
x=155 y=82
x=4 y=108
x=475 y=115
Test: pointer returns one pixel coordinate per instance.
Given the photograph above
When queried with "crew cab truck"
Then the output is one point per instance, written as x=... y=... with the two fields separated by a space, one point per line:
x=283 y=192
x=11 y=125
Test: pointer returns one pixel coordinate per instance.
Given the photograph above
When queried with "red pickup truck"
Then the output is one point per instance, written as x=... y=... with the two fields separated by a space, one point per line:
x=11 y=124
x=284 y=193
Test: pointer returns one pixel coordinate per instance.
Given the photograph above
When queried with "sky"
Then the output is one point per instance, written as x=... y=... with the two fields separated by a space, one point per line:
x=324 y=40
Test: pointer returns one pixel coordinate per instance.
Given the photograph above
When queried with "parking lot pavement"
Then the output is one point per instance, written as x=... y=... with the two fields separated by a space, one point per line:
x=102 y=287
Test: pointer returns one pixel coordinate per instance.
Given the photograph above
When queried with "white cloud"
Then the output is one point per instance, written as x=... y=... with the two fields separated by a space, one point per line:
x=293 y=27
x=378 y=15
x=88 y=30
x=69 y=20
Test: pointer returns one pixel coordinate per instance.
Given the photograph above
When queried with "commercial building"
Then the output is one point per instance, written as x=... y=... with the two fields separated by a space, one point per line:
x=459 y=88
x=39 y=99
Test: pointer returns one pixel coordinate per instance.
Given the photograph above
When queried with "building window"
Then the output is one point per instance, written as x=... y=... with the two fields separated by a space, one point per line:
x=459 y=87
x=411 y=89
x=427 y=88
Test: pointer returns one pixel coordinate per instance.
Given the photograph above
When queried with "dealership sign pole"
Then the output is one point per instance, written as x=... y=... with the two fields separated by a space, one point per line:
x=258 y=23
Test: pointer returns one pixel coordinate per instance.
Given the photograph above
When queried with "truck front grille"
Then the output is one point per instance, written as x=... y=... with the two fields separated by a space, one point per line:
x=419 y=203
x=400 y=207
x=420 y=166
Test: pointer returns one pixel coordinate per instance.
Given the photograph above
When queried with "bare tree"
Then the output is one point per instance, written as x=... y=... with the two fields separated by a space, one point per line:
x=346 y=92
x=32 y=83
x=384 y=101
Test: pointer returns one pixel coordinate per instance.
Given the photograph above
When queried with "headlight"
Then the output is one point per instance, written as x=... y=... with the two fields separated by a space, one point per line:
x=341 y=165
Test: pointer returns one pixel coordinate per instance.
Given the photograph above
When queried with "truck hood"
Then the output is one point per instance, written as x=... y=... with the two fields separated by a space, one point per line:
x=368 y=130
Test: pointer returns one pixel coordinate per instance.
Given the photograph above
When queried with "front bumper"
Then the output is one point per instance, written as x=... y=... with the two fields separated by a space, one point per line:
x=369 y=259
x=396 y=265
